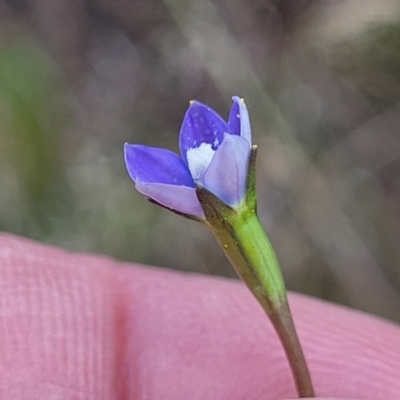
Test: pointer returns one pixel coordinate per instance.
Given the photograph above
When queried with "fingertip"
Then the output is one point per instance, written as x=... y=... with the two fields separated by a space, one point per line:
x=89 y=324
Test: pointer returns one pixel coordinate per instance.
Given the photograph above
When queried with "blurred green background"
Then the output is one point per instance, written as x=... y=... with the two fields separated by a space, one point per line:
x=322 y=83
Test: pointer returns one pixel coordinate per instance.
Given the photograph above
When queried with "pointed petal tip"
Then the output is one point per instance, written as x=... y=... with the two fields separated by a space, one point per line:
x=129 y=145
x=239 y=121
x=237 y=99
x=126 y=146
x=194 y=102
x=130 y=148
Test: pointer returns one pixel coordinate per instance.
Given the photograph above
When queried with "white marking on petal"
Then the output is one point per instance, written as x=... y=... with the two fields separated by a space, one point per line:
x=198 y=160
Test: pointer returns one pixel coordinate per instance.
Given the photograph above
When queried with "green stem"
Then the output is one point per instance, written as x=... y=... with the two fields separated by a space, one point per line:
x=249 y=250
x=241 y=235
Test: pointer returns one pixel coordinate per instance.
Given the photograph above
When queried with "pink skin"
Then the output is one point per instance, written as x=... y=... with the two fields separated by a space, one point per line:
x=78 y=326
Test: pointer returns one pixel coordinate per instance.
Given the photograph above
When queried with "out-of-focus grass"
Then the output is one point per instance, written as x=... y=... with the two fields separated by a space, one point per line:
x=31 y=143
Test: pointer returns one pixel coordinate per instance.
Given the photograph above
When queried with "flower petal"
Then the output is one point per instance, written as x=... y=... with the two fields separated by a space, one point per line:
x=239 y=122
x=201 y=124
x=178 y=198
x=152 y=164
x=227 y=172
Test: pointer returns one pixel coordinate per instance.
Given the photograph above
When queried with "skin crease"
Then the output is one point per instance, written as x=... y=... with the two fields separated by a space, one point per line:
x=78 y=326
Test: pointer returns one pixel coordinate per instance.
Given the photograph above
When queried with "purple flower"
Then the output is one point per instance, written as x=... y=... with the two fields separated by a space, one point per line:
x=214 y=155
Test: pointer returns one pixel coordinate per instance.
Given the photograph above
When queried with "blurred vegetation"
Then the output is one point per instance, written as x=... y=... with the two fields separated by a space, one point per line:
x=321 y=80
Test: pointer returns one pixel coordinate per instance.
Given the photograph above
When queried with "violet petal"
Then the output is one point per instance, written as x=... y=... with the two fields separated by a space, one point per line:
x=239 y=121
x=178 y=198
x=152 y=164
x=227 y=172
x=201 y=124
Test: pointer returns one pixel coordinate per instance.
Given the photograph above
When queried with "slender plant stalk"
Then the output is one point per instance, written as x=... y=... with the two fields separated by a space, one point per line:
x=244 y=241
x=286 y=331
x=250 y=252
